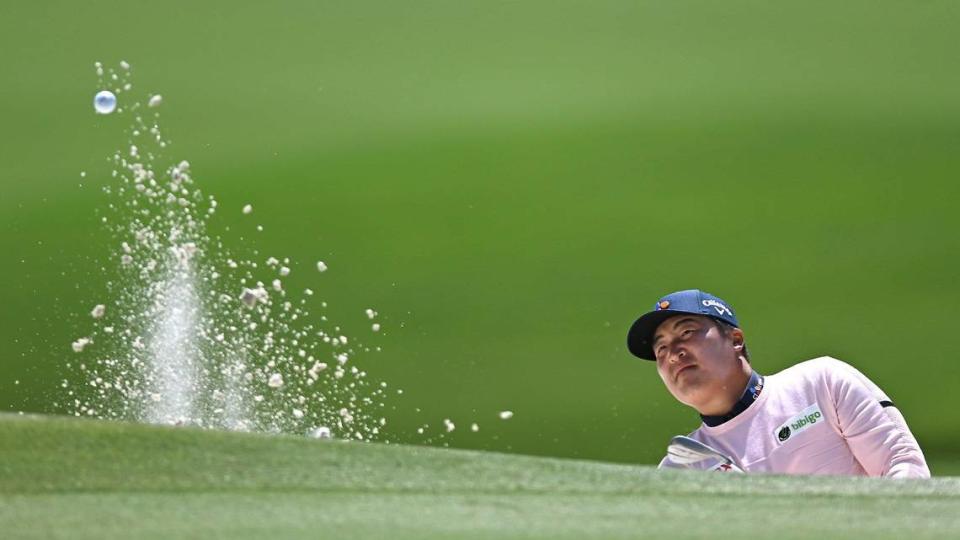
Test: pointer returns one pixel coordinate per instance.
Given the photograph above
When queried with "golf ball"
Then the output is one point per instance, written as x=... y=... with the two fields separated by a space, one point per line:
x=104 y=102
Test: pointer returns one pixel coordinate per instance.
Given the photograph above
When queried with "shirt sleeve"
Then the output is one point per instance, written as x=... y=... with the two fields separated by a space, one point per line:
x=877 y=435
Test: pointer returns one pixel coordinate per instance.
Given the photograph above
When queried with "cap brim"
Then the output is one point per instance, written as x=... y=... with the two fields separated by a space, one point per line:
x=640 y=336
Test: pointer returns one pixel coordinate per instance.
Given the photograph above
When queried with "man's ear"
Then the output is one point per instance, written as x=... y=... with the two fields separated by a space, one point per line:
x=737 y=336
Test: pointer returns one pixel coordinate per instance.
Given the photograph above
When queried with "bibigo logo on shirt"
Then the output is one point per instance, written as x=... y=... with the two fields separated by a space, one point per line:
x=807 y=417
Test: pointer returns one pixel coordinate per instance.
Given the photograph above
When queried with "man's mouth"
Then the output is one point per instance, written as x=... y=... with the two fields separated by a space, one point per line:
x=681 y=369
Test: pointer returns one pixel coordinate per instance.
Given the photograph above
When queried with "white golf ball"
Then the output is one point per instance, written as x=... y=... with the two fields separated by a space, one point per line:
x=104 y=102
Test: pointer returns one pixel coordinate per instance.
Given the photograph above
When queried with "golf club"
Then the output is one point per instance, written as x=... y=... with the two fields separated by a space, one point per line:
x=686 y=451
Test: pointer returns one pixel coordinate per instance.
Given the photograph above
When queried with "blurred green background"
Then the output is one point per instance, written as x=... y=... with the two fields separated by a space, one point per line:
x=511 y=183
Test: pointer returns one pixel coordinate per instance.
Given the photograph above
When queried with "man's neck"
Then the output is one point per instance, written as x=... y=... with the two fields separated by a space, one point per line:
x=732 y=390
x=750 y=394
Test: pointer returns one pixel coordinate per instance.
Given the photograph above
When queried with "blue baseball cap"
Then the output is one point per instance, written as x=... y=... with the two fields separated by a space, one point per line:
x=692 y=301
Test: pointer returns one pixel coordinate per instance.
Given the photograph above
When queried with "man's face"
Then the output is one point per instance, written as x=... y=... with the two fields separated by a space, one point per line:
x=695 y=360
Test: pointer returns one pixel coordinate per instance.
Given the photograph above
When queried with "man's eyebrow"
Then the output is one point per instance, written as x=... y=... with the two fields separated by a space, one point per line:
x=676 y=324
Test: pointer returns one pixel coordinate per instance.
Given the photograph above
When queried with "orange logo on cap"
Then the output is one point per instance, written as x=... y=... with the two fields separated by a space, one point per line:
x=665 y=304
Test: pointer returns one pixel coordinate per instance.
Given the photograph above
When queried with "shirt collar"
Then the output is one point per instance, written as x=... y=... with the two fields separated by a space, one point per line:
x=750 y=394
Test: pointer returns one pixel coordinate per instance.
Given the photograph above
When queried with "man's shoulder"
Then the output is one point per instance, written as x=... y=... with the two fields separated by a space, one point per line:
x=835 y=376
x=814 y=367
x=825 y=371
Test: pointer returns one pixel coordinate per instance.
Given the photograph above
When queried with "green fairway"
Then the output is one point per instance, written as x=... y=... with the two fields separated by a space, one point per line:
x=67 y=478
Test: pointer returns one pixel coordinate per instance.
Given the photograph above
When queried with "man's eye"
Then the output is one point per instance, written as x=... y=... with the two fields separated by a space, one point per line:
x=686 y=332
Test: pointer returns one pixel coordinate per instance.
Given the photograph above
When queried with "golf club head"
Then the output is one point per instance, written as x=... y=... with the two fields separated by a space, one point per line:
x=686 y=451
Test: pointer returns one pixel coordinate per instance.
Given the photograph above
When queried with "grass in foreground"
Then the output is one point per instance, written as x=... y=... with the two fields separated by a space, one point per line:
x=66 y=478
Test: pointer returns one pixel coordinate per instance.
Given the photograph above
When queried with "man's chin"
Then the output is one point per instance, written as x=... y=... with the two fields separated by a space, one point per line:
x=689 y=381
x=690 y=393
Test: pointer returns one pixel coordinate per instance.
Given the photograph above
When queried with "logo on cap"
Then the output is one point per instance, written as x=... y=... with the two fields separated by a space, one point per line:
x=721 y=309
x=663 y=305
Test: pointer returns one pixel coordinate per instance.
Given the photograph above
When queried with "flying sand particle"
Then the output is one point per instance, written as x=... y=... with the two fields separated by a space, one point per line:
x=98 y=311
x=250 y=297
x=79 y=344
x=506 y=415
x=248 y=209
x=314 y=371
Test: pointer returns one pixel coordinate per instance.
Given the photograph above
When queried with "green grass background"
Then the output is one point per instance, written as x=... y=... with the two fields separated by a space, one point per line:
x=510 y=183
x=64 y=478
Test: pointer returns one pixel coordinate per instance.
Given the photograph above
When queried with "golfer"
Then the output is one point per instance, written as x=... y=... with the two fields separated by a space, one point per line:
x=821 y=416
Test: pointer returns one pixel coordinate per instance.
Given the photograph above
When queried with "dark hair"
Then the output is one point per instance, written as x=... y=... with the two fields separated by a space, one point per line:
x=725 y=329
